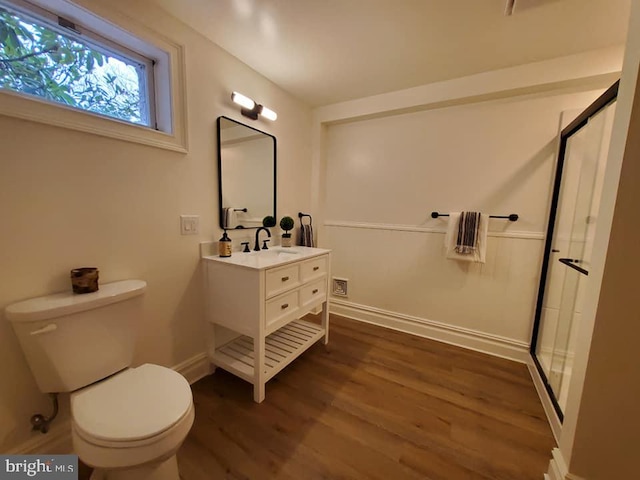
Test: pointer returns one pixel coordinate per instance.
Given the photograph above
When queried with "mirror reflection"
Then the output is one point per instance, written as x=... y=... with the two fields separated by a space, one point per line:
x=246 y=173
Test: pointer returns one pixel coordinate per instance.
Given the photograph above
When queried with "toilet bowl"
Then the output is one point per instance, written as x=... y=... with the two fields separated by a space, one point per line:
x=127 y=423
x=131 y=423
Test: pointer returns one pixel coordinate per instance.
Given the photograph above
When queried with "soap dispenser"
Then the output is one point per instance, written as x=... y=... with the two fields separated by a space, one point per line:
x=224 y=245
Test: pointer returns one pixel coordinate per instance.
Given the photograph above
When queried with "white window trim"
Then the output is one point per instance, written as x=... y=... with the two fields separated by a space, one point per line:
x=169 y=82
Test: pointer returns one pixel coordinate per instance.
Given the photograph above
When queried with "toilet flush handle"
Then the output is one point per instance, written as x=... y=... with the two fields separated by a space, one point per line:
x=52 y=327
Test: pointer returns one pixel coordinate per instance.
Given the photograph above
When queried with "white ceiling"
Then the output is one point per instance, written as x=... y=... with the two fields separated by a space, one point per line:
x=327 y=51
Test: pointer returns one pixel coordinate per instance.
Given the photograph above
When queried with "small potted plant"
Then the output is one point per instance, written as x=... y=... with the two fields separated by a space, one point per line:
x=269 y=221
x=286 y=224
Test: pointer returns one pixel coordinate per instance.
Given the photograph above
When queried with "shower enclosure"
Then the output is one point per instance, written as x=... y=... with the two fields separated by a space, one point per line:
x=584 y=145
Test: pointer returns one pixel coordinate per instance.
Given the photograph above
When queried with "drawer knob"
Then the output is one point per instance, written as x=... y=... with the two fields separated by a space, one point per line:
x=316 y=268
x=286 y=305
x=315 y=290
x=284 y=279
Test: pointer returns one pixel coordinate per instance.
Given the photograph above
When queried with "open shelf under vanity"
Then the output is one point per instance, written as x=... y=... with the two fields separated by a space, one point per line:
x=281 y=348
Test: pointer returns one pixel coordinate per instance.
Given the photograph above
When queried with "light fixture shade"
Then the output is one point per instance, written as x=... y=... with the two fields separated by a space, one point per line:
x=268 y=113
x=251 y=109
x=243 y=101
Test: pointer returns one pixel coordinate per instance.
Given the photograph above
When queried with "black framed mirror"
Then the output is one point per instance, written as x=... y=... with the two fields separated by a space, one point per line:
x=246 y=175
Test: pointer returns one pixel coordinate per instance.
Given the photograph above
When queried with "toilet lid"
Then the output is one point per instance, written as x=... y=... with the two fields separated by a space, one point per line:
x=132 y=405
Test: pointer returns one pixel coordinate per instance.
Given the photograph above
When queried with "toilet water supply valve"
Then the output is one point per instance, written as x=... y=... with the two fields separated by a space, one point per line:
x=40 y=422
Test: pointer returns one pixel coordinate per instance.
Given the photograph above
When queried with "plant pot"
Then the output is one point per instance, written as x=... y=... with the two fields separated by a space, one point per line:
x=287 y=241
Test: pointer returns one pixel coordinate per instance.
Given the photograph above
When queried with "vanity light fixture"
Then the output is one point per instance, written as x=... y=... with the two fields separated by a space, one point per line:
x=252 y=109
x=269 y=114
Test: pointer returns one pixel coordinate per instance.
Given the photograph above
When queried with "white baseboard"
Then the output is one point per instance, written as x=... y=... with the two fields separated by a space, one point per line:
x=462 y=337
x=58 y=440
x=194 y=368
x=549 y=410
x=557 y=466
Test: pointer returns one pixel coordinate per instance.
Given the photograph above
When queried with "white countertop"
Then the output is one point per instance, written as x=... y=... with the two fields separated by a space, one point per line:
x=273 y=257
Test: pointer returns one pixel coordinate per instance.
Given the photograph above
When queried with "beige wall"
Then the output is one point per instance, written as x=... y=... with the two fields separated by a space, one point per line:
x=385 y=175
x=609 y=406
x=71 y=199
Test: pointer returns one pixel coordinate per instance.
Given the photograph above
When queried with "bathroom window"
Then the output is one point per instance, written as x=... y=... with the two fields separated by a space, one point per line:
x=51 y=57
x=92 y=69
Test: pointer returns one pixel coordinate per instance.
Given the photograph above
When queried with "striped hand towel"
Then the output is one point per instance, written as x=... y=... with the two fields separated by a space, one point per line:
x=473 y=242
x=467 y=240
x=307 y=236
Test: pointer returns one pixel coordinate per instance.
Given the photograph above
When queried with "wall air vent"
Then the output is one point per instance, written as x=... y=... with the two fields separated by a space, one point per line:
x=340 y=287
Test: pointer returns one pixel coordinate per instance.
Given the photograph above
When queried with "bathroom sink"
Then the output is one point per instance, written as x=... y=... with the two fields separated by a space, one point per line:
x=272 y=254
x=273 y=251
x=271 y=257
x=281 y=251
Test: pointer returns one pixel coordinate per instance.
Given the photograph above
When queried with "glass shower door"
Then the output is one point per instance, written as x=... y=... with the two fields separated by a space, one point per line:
x=567 y=257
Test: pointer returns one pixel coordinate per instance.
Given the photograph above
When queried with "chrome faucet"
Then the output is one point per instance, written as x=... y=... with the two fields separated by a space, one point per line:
x=256 y=247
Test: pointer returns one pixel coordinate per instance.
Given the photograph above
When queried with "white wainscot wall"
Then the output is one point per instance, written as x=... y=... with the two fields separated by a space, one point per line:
x=403 y=280
x=385 y=175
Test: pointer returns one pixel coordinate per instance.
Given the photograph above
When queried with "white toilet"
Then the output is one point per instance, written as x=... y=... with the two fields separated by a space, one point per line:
x=127 y=423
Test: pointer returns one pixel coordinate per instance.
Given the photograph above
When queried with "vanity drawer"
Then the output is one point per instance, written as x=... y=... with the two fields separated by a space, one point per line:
x=313 y=268
x=282 y=307
x=282 y=279
x=313 y=292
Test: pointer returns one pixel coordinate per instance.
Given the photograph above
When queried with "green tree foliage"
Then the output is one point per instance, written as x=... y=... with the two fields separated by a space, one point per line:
x=37 y=60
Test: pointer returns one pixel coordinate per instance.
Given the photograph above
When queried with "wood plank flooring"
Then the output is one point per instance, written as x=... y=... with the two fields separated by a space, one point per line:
x=373 y=404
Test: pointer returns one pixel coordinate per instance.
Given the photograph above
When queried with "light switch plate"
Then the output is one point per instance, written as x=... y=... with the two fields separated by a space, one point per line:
x=189 y=224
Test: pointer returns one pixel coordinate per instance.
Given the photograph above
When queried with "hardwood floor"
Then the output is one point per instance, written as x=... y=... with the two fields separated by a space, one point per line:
x=374 y=404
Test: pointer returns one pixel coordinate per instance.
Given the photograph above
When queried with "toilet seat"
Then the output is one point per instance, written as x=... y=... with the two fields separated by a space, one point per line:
x=132 y=455
x=132 y=408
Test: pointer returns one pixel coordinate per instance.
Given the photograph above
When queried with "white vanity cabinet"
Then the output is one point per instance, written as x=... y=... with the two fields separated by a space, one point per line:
x=262 y=296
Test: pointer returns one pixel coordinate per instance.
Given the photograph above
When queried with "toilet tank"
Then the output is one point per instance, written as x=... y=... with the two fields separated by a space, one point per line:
x=72 y=340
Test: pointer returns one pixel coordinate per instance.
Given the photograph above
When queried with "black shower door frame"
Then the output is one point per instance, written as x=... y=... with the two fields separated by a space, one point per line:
x=581 y=120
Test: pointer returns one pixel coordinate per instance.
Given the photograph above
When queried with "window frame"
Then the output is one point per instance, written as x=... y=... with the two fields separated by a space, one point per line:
x=165 y=75
x=85 y=36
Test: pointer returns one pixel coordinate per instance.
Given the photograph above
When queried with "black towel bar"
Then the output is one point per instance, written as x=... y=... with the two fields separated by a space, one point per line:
x=301 y=215
x=512 y=217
